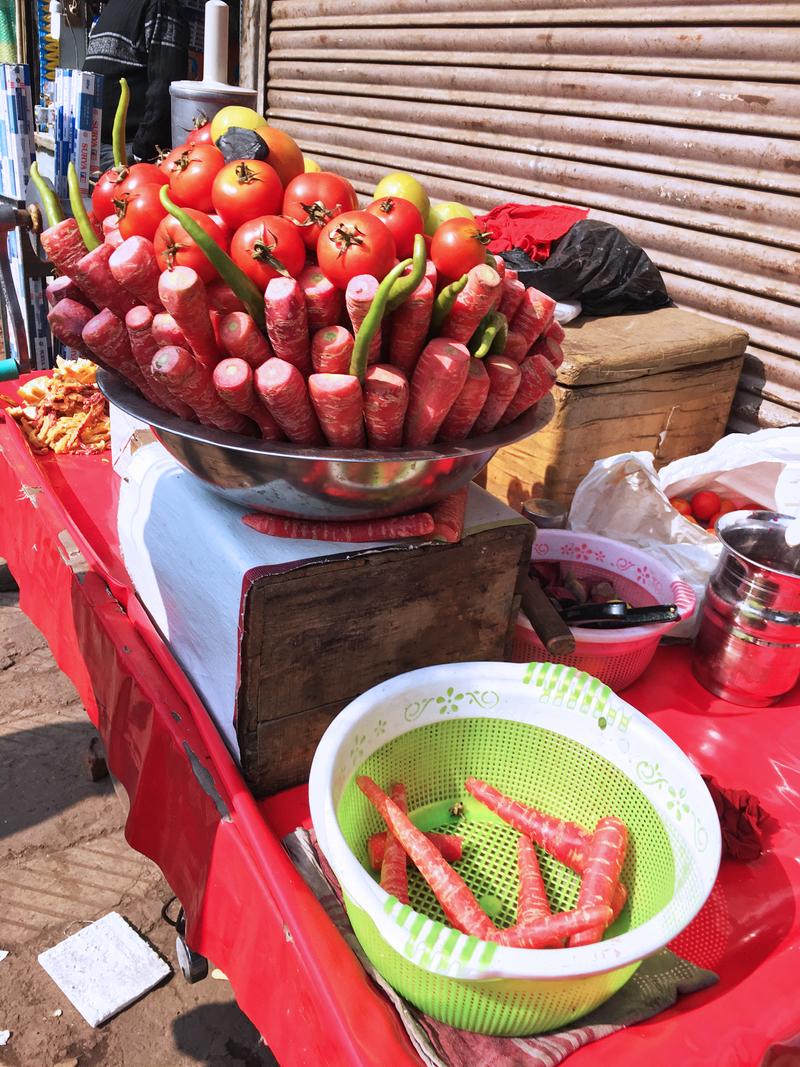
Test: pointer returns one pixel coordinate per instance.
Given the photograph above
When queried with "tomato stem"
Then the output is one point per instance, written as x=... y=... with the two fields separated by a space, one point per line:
x=245 y=175
x=263 y=252
x=317 y=213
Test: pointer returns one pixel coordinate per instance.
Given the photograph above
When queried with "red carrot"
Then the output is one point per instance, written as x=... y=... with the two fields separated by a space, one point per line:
x=139 y=324
x=106 y=337
x=532 y=902
x=550 y=349
x=183 y=294
x=323 y=299
x=135 y=267
x=601 y=873
x=552 y=929
x=408 y=327
x=451 y=847
x=394 y=875
x=398 y=528
x=67 y=320
x=468 y=404
x=534 y=315
x=516 y=346
x=241 y=339
x=500 y=266
x=431 y=273
x=166 y=331
x=385 y=405
x=512 y=275
x=222 y=298
x=339 y=405
x=92 y=275
x=280 y=385
x=448 y=516
x=513 y=293
x=233 y=380
x=439 y=377
x=472 y=303
x=63 y=245
x=113 y=239
x=190 y=381
x=555 y=331
x=456 y=898
x=287 y=322
x=63 y=288
x=504 y=378
x=331 y=349
x=358 y=299
x=109 y=223
x=537 y=378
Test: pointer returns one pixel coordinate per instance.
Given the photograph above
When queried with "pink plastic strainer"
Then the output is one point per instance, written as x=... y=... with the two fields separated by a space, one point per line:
x=616 y=657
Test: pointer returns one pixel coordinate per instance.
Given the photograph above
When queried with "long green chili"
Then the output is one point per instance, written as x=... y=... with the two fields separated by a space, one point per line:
x=443 y=303
x=498 y=345
x=405 y=286
x=50 y=202
x=476 y=340
x=232 y=275
x=118 y=129
x=492 y=325
x=372 y=321
x=79 y=210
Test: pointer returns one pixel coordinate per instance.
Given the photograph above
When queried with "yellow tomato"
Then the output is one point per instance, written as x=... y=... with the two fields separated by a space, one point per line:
x=311 y=165
x=233 y=115
x=441 y=212
x=406 y=187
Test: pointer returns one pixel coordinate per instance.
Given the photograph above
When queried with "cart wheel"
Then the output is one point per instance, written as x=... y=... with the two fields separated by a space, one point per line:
x=194 y=967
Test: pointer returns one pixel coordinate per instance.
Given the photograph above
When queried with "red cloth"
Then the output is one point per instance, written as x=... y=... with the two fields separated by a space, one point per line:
x=742 y=819
x=531 y=227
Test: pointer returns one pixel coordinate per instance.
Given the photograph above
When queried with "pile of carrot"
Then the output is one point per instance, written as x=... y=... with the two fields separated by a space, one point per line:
x=596 y=856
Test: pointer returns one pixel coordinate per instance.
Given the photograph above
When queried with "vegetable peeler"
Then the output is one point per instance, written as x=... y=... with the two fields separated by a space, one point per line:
x=617 y=615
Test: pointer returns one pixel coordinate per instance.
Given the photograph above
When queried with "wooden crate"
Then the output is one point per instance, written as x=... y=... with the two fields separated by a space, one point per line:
x=316 y=634
x=662 y=382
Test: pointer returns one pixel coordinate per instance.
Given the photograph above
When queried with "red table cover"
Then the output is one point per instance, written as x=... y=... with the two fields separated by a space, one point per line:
x=247 y=908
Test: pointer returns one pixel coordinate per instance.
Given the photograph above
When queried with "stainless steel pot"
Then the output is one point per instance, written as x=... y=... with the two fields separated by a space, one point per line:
x=748 y=647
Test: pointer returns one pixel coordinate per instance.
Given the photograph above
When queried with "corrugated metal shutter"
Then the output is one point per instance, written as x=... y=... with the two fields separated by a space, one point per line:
x=678 y=123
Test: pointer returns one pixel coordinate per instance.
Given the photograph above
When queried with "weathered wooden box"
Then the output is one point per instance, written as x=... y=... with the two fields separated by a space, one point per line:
x=317 y=633
x=661 y=381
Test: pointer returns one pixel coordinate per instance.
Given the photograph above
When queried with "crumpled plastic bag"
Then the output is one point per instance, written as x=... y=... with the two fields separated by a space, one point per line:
x=625 y=498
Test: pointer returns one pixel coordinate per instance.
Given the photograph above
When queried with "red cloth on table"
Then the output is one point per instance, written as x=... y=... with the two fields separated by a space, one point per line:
x=531 y=227
x=742 y=820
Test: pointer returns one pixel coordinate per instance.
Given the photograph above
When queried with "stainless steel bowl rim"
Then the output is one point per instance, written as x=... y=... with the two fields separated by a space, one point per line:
x=762 y=518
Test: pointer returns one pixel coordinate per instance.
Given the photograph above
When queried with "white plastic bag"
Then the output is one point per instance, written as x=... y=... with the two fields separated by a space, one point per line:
x=624 y=498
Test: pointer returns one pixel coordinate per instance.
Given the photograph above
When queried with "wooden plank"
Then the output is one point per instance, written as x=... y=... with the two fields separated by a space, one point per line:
x=253 y=48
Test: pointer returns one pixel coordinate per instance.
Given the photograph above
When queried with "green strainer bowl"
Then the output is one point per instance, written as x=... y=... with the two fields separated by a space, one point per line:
x=552 y=737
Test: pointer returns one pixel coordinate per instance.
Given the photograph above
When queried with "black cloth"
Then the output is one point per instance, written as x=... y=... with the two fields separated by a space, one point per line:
x=147 y=43
x=596 y=264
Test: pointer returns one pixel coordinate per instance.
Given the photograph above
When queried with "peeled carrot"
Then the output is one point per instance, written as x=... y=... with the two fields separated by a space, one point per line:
x=385 y=405
x=532 y=903
x=191 y=381
x=549 y=348
x=106 y=337
x=451 y=846
x=109 y=223
x=516 y=346
x=511 y=274
x=458 y=902
x=67 y=319
x=408 y=327
x=183 y=294
x=555 y=331
x=468 y=405
x=287 y=322
x=448 y=516
x=135 y=267
x=166 y=331
x=394 y=873
x=233 y=381
x=604 y=862
x=281 y=387
x=504 y=378
x=357 y=531
x=472 y=303
x=534 y=315
x=241 y=339
x=552 y=929
x=139 y=324
x=331 y=350
x=339 y=405
x=323 y=299
x=92 y=275
x=358 y=299
x=63 y=245
x=222 y=298
x=439 y=377
x=537 y=378
x=63 y=288
x=513 y=293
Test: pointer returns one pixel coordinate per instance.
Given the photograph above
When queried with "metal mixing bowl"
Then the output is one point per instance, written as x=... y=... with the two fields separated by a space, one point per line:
x=319 y=483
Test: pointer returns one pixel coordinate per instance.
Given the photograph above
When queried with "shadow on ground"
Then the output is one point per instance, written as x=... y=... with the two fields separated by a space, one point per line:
x=219 y=1035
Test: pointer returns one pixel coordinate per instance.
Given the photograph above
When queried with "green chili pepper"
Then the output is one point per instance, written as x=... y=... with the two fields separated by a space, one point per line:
x=498 y=345
x=79 y=210
x=118 y=129
x=405 y=286
x=492 y=325
x=50 y=202
x=443 y=303
x=232 y=275
x=372 y=321
x=477 y=339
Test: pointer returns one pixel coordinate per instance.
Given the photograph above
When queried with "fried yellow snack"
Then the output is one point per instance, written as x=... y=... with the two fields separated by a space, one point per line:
x=64 y=412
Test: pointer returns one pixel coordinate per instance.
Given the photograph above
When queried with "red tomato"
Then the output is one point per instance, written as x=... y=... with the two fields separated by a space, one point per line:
x=245 y=189
x=726 y=507
x=224 y=227
x=105 y=192
x=313 y=199
x=355 y=243
x=402 y=217
x=457 y=246
x=681 y=505
x=139 y=175
x=742 y=503
x=165 y=162
x=712 y=522
x=200 y=135
x=175 y=248
x=705 y=504
x=192 y=175
x=140 y=212
x=268 y=247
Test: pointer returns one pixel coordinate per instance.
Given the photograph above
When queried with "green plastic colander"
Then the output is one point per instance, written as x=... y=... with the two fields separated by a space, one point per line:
x=545 y=734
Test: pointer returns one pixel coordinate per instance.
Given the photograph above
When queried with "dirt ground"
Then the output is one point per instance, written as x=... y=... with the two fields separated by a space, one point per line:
x=64 y=862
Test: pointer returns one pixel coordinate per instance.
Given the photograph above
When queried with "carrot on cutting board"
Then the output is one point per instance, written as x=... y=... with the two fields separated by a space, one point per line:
x=604 y=860
x=183 y=294
x=282 y=388
x=139 y=324
x=338 y=402
x=451 y=846
x=331 y=350
x=358 y=299
x=233 y=381
x=287 y=322
x=394 y=872
x=385 y=405
x=323 y=299
x=473 y=302
x=537 y=378
x=438 y=379
x=67 y=320
x=240 y=338
x=357 y=531
x=408 y=327
x=191 y=381
x=135 y=267
x=504 y=378
x=448 y=516
x=468 y=405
